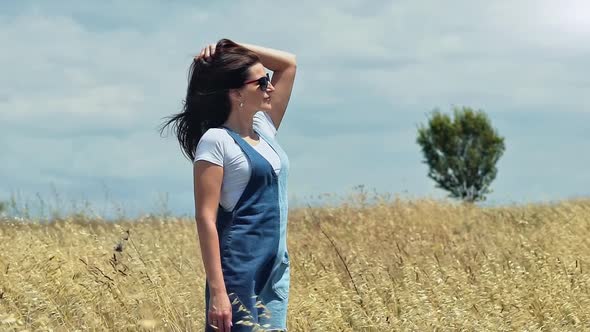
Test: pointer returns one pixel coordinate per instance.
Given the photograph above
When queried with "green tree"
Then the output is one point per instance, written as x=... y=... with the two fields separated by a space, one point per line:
x=461 y=153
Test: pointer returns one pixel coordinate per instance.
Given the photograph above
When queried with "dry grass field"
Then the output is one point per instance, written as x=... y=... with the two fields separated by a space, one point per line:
x=388 y=265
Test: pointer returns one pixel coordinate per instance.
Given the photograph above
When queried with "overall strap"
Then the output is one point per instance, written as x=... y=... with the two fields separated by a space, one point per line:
x=247 y=148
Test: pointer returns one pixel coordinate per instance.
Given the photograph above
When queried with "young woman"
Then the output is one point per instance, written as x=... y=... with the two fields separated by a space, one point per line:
x=232 y=112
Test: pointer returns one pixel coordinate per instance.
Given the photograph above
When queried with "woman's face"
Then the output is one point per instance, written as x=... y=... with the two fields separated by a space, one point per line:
x=254 y=98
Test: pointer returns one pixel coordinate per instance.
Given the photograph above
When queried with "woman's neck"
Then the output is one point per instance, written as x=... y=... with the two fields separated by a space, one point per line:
x=241 y=123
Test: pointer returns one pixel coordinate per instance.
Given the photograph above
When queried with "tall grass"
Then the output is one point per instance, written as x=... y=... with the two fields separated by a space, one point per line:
x=367 y=264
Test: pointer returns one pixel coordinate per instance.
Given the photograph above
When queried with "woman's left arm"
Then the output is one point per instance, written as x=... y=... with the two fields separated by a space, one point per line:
x=284 y=66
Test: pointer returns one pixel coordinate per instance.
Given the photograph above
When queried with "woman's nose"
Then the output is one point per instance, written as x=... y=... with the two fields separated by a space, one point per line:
x=270 y=87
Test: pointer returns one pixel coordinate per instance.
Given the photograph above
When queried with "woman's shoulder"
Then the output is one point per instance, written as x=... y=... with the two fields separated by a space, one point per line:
x=214 y=139
x=216 y=135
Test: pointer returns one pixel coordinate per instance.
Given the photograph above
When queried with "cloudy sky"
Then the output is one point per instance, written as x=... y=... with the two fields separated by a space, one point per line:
x=85 y=85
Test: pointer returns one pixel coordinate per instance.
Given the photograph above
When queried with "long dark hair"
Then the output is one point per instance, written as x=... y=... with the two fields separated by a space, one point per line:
x=207 y=104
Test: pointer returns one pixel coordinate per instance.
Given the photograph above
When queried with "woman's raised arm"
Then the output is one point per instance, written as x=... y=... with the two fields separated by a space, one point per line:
x=284 y=67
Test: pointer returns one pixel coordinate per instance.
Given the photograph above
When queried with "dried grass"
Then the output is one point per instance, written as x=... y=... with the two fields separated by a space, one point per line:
x=392 y=265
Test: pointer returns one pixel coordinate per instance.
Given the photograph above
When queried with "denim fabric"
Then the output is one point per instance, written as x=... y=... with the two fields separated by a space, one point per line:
x=253 y=244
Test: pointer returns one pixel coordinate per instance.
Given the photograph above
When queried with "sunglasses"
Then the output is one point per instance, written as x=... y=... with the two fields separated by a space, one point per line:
x=262 y=82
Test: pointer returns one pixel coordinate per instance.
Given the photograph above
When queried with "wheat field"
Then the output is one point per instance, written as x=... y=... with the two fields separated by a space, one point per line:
x=381 y=264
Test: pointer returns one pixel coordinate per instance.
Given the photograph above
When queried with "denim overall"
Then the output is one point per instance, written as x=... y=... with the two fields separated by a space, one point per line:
x=253 y=244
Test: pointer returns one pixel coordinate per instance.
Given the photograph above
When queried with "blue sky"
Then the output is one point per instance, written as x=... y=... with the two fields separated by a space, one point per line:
x=84 y=87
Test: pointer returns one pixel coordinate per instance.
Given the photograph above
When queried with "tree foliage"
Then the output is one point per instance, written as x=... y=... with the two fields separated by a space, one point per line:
x=461 y=153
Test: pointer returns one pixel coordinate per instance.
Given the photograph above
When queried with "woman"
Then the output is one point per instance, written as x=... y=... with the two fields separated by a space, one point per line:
x=232 y=112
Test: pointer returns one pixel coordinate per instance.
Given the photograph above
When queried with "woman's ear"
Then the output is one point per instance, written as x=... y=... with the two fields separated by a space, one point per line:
x=235 y=95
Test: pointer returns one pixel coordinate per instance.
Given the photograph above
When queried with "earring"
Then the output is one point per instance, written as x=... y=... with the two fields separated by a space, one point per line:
x=241 y=104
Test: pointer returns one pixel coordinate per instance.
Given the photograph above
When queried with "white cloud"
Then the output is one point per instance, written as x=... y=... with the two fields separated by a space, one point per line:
x=84 y=86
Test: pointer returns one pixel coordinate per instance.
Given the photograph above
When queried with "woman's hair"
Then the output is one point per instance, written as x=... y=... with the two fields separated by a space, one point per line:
x=207 y=104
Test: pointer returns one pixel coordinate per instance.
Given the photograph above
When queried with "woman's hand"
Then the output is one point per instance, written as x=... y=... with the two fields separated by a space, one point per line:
x=220 y=312
x=206 y=53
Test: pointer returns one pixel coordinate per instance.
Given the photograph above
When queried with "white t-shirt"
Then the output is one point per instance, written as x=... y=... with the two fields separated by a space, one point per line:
x=218 y=147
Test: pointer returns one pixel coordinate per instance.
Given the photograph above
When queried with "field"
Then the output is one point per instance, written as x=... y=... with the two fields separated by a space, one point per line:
x=378 y=264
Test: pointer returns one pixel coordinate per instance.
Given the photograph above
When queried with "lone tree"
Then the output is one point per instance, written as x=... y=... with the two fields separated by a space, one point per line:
x=461 y=153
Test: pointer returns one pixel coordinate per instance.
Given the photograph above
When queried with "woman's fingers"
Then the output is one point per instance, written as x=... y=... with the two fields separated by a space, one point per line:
x=227 y=321
x=207 y=52
x=200 y=55
x=221 y=325
x=214 y=319
x=220 y=320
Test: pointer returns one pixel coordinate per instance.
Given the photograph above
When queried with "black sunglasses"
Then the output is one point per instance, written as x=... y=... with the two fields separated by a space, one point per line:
x=262 y=82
